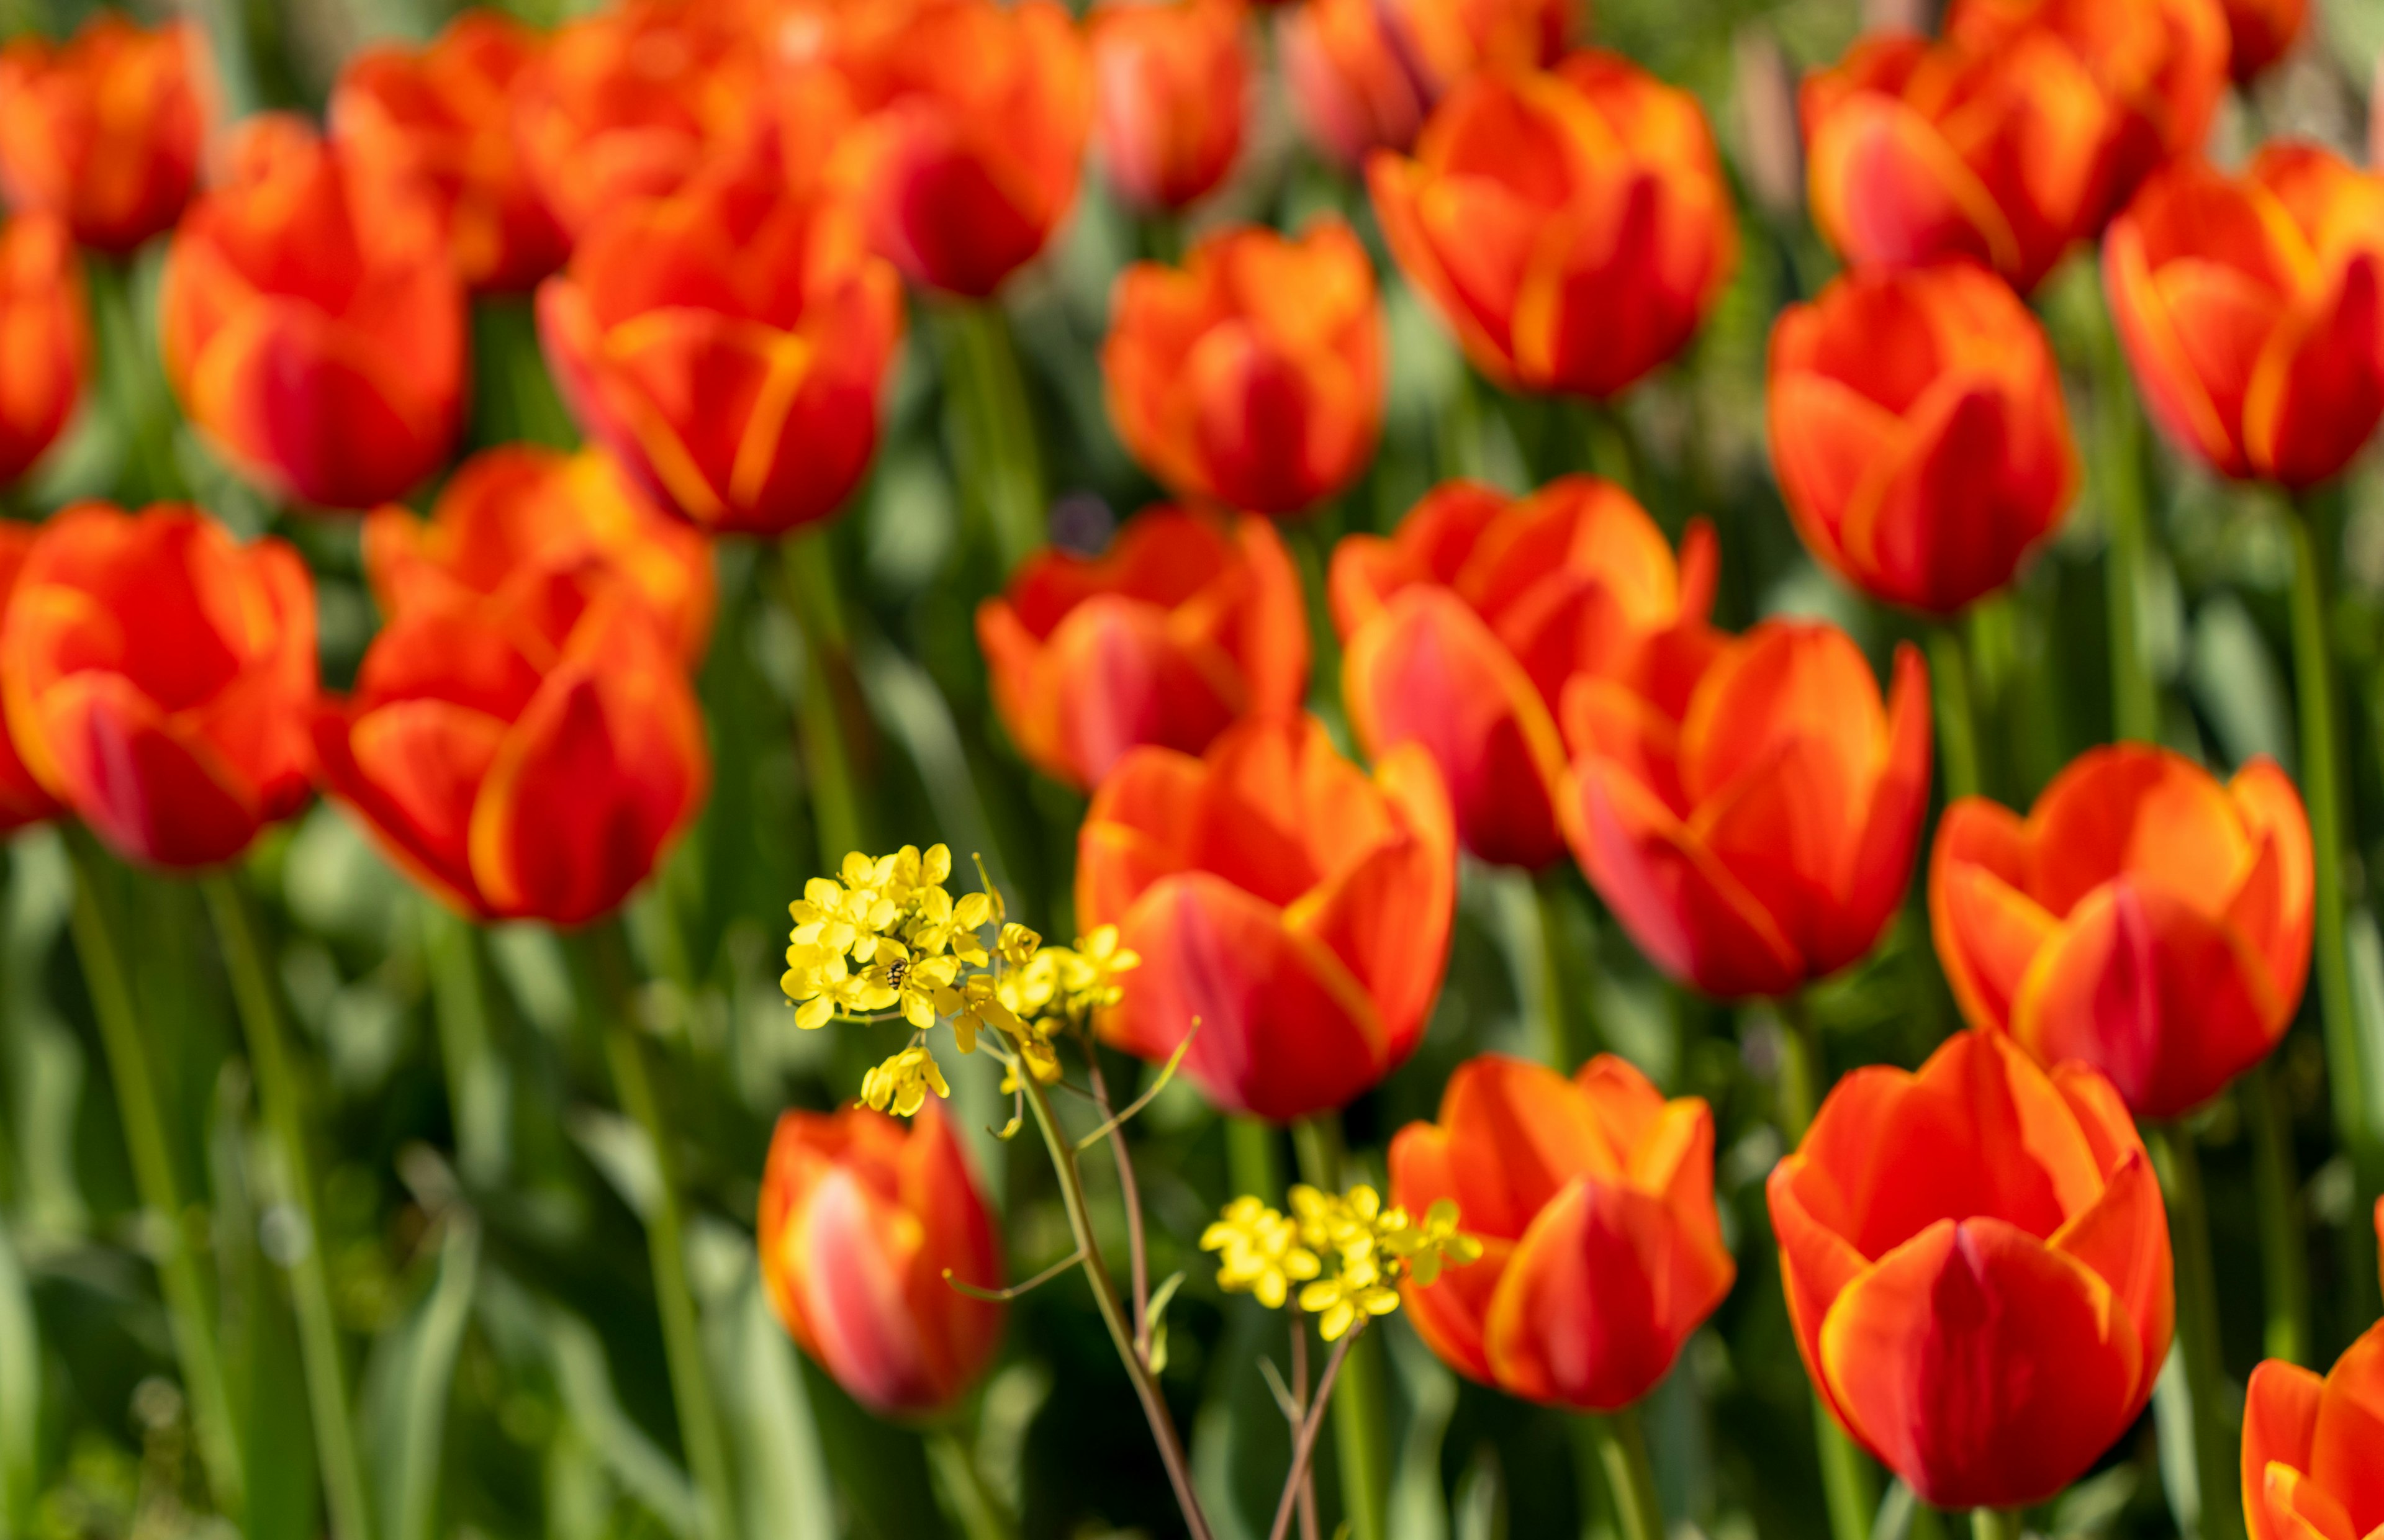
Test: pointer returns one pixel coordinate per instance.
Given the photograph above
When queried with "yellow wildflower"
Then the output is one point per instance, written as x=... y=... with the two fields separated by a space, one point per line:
x=1359 y=1287
x=1420 y=1250
x=1260 y=1252
x=902 y=1082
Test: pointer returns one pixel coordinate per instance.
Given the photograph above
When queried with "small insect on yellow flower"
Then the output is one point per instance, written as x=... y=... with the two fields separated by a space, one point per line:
x=902 y=1084
x=1261 y=1254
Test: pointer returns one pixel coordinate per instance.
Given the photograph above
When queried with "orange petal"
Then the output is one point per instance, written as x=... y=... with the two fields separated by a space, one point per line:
x=156 y=796
x=1987 y=929
x=2297 y=1508
x=2273 y=908
x=2318 y=391
x=2350 y=1430
x=2279 y=1428
x=2124 y=1238
x=1517 y=1132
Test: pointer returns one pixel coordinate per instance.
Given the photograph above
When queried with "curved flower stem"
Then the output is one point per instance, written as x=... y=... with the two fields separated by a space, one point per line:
x=1130 y=1195
x=2283 y=1241
x=690 y=1377
x=2179 y=1165
x=1105 y=1298
x=1359 y=1440
x=310 y=1282
x=994 y=428
x=1622 y=1450
x=979 y=1516
x=178 y=1278
x=1957 y=727
x=822 y=720
x=1303 y=1448
x=1994 y=1523
x=2135 y=699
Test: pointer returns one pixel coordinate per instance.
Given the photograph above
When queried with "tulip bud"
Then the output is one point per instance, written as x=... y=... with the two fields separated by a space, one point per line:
x=862 y=1218
x=1365 y=74
x=512 y=516
x=2144 y=919
x=43 y=337
x=1189 y=623
x=158 y=679
x=1171 y=86
x=1572 y=228
x=728 y=344
x=105 y=132
x=525 y=756
x=318 y=341
x=1296 y=908
x=1592 y=1201
x=1253 y=376
x=2252 y=310
x=1749 y=810
x=1977 y=1263
x=440 y=117
x=1461 y=630
x=1919 y=432
x=2259 y=33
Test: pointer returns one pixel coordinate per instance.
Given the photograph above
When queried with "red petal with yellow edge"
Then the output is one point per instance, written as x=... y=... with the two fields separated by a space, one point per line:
x=2145 y=811
x=1825 y=439
x=2351 y=1430
x=2299 y=1508
x=154 y=794
x=2275 y=907
x=2124 y=1238
x=1889 y=191
x=1628 y=1108
x=2318 y=392
x=1987 y=929
x=411 y=771
x=2279 y=1428
x=1816 y=1264
x=1782 y=681
x=1786 y=830
x=1890 y=833
x=1141 y=828
x=1953 y=515
x=2171 y=321
x=1114 y=675
x=853 y=1295
x=1983 y=1368
x=1517 y=1132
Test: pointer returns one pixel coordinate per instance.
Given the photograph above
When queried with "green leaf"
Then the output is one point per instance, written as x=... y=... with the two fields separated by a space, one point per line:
x=421 y=1380
x=788 y=1494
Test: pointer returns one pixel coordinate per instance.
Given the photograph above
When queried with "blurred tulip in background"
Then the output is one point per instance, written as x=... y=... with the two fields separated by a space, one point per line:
x=24 y=800
x=2260 y=32
x=105 y=130
x=2309 y=1445
x=1365 y=74
x=45 y=339
x=1170 y=93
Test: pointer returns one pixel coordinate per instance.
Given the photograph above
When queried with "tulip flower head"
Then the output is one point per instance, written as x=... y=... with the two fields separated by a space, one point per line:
x=1189 y=623
x=1571 y=228
x=864 y=1225
x=316 y=336
x=1351 y=1256
x=2252 y=310
x=2259 y=33
x=1296 y=907
x=158 y=679
x=2144 y=919
x=44 y=339
x=1365 y=74
x=727 y=344
x=441 y=116
x=106 y=131
x=512 y=517
x=1253 y=376
x=2310 y=1470
x=1592 y=1202
x=1171 y=89
x=1977 y=1262
x=1919 y=432
x=24 y=800
x=1462 y=630
x=1750 y=810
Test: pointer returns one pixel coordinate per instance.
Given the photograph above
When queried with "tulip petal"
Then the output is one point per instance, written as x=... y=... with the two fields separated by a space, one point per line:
x=2351 y=1430
x=1988 y=930
x=1517 y=1132
x=155 y=794
x=1889 y=191
x=2297 y=1508
x=2279 y=1428
x=2318 y=391
x=854 y=1292
x=1816 y=1264
x=413 y=770
x=2124 y=1238
x=2275 y=907
x=2132 y=809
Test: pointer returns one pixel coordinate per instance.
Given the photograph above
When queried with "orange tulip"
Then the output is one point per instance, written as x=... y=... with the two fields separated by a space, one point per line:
x=1977 y=1264
x=631 y=102
x=158 y=679
x=1593 y=1199
x=531 y=755
x=1919 y=432
x=1171 y=88
x=512 y=516
x=2252 y=310
x=105 y=132
x=441 y=116
x=1365 y=74
x=24 y=800
x=44 y=341
x=2143 y=919
x=1750 y=810
x=860 y=1220
x=2310 y=1466
x=1252 y=375
x=1571 y=228
x=974 y=121
x=1294 y=906
x=728 y=344
x=2259 y=33
x=1461 y=630
x=316 y=337
x=1189 y=624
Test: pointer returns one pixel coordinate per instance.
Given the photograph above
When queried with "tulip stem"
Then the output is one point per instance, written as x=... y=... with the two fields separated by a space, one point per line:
x=167 y=1227
x=1359 y=1440
x=1303 y=1448
x=993 y=428
x=966 y=1497
x=624 y=1055
x=1105 y=1298
x=821 y=720
x=1994 y=1523
x=1251 y=1162
x=2135 y=700
x=2283 y=1242
x=2179 y=1165
x=1622 y=1450
x=134 y=391
x=283 y=1103
x=476 y=1077
x=1556 y=1025
x=1957 y=727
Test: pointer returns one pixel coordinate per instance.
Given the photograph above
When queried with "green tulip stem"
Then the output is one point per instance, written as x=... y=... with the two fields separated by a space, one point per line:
x=2135 y=699
x=1994 y=1523
x=2214 y=1444
x=824 y=719
x=1556 y=989
x=1359 y=1442
x=283 y=1103
x=475 y=1076
x=999 y=459
x=966 y=1498
x=2284 y=1258
x=1957 y=727
x=165 y=1220
x=1623 y=1451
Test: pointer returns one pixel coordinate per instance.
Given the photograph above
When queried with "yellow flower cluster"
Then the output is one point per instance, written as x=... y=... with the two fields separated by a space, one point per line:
x=1349 y=1252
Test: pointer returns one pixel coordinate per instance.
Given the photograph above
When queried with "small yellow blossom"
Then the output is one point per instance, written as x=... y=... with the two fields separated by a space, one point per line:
x=1421 y=1249
x=1016 y=944
x=1261 y=1254
x=902 y=1082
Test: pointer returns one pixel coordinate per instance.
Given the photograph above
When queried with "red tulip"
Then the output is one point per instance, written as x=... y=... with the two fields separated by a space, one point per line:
x=24 y=800
x=1573 y=228
x=105 y=132
x=1189 y=624
x=2144 y=919
x=528 y=755
x=1252 y=375
x=860 y=1220
x=2259 y=33
x=1294 y=906
x=317 y=338
x=1593 y=1199
x=158 y=679
x=1919 y=432
x=1171 y=84
x=728 y=344
x=1365 y=74
x=44 y=341
x=1462 y=629
x=2252 y=310
x=512 y=517
x=1977 y=1264
x=1750 y=812
x=441 y=116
